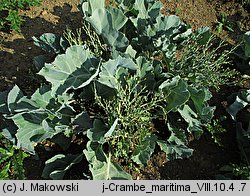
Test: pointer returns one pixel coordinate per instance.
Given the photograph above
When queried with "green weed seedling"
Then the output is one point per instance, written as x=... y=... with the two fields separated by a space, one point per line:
x=216 y=130
x=11 y=160
x=224 y=23
x=11 y=7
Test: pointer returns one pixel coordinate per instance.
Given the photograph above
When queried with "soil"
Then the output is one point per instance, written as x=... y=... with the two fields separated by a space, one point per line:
x=16 y=56
x=17 y=49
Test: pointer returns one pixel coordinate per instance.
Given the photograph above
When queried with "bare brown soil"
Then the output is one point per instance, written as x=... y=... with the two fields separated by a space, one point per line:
x=17 y=49
x=17 y=52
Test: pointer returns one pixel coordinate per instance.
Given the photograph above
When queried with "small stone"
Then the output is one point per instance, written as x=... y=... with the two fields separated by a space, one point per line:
x=44 y=12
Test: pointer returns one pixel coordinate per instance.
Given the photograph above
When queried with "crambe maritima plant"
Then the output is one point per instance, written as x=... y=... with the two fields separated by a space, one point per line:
x=124 y=75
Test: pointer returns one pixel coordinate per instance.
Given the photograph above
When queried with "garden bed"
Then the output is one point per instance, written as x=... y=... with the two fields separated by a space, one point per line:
x=16 y=56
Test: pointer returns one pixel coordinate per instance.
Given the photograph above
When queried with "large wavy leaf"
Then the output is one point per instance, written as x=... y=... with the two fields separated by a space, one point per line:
x=101 y=166
x=56 y=167
x=32 y=128
x=88 y=6
x=175 y=147
x=200 y=98
x=176 y=93
x=48 y=42
x=194 y=125
x=111 y=71
x=82 y=122
x=142 y=153
x=74 y=69
x=105 y=25
x=146 y=12
x=147 y=9
x=42 y=96
x=97 y=133
x=164 y=23
x=16 y=102
x=175 y=151
x=241 y=101
x=118 y=18
x=100 y=131
x=30 y=116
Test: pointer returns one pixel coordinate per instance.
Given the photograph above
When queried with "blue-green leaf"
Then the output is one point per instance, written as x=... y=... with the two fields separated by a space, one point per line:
x=101 y=166
x=112 y=129
x=143 y=151
x=39 y=61
x=48 y=42
x=242 y=100
x=174 y=151
x=147 y=9
x=194 y=125
x=118 y=18
x=97 y=133
x=42 y=96
x=176 y=93
x=74 y=69
x=200 y=98
x=164 y=23
x=203 y=35
x=13 y=97
x=56 y=167
x=17 y=102
x=103 y=23
x=32 y=128
x=91 y=5
x=82 y=122
x=113 y=70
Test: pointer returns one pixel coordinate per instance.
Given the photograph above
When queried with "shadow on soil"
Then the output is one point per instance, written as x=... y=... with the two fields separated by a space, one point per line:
x=16 y=60
x=16 y=57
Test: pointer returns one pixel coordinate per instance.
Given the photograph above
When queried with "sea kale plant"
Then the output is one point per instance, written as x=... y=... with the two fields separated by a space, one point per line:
x=238 y=109
x=240 y=113
x=121 y=69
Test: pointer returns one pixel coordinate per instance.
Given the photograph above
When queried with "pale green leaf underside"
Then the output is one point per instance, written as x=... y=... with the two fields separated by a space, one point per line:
x=42 y=96
x=110 y=171
x=90 y=5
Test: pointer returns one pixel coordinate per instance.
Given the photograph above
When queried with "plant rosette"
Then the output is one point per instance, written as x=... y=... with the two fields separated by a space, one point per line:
x=125 y=72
